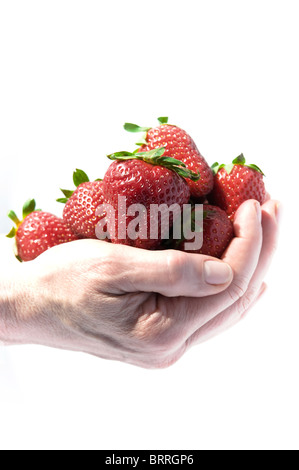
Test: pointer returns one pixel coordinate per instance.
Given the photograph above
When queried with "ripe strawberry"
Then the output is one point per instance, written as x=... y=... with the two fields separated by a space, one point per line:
x=38 y=232
x=217 y=232
x=235 y=183
x=178 y=144
x=144 y=178
x=81 y=205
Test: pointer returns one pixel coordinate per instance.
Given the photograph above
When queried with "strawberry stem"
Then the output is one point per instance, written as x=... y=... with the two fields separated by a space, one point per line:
x=155 y=157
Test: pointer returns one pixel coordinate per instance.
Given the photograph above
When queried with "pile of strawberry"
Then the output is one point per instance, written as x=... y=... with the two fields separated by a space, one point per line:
x=167 y=168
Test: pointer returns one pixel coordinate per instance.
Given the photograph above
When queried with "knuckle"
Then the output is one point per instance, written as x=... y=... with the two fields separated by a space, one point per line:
x=158 y=335
x=176 y=266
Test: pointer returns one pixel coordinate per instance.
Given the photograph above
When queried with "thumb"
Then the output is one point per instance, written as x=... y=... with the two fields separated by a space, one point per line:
x=170 y=273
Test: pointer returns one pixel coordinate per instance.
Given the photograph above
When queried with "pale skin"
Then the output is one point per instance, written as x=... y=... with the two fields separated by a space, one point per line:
x=142 y=307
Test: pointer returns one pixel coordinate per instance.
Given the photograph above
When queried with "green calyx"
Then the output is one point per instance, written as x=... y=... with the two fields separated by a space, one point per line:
x=79 y=177
x=128 y=126
x=28 y=208
x=156 y=157
x=240 y=160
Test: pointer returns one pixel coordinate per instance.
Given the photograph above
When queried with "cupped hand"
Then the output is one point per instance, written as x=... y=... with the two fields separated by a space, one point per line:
x=142 y=307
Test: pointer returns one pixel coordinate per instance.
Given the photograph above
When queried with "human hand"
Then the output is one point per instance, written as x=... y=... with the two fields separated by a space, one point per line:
x=142 y=307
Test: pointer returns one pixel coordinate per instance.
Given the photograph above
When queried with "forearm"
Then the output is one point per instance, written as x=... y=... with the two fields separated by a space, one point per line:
x=20 y=312
x=9 y=296
x=6 y=307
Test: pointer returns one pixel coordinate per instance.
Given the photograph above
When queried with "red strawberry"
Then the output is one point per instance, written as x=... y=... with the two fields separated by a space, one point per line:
x=179 y=145
x=235 y=183
x=82 y=204
x=217 y=232
x=146 y=179
x=38 y=232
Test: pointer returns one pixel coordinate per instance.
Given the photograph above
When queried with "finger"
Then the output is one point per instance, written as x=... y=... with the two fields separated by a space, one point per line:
x=244 y=251
x=123 y=269
x=270 y=225
x=270 y=215
x=225 y=320
x=242 y=255
x=169 y=272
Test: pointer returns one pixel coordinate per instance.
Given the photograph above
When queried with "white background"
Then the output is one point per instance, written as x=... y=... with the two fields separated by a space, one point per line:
x=72 y=72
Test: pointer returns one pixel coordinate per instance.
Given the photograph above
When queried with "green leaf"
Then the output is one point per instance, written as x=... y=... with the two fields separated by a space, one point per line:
x=185 y=173
x=173 y=161
x=12 y=233
x=151 y=154
x=155 y=157
x=163 y=120
x=215 y=168
x=63 y=200
x=67 y=192
x=29 y=207
x=256 y=168
x=79 y=177
x=13 y=216
x=128 y=126
x=240 y=160
x=123 y=155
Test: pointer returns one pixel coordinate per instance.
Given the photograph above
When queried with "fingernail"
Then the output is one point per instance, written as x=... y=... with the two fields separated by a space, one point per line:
x=217 y=272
